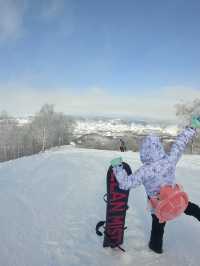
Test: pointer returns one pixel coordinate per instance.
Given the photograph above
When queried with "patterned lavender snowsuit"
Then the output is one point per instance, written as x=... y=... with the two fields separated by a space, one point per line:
x=158 y=168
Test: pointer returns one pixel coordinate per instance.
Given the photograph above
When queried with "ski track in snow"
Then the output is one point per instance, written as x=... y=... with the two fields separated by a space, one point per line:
x=50 y=204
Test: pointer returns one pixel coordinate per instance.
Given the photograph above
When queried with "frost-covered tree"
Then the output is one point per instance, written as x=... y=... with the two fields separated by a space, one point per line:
x=7 y=136
x=185 y=111
x=47 y=129
x=4 y=115
x=50 y=128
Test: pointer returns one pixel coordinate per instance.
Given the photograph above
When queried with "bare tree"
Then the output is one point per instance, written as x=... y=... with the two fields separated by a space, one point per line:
x=47 y=129
x=50 y=128
x=8 y=135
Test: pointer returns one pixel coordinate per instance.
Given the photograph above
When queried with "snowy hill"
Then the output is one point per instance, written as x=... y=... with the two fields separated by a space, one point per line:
x=51 y=202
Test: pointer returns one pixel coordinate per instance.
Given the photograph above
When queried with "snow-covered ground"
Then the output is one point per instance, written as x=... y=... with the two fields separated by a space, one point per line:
x=23 y=121
x=111 y=127
x=51 y=202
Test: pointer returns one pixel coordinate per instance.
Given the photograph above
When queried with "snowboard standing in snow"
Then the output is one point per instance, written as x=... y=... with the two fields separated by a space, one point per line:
x=116 y=208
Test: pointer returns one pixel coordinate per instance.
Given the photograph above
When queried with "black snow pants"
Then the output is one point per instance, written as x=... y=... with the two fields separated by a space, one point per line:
x=157 y=230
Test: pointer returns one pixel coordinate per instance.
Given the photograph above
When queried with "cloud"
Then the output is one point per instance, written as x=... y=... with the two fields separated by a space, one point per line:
x=52 y=9
x=96 y=101
x=60 y=14
x=11 y=19
x=182 y=94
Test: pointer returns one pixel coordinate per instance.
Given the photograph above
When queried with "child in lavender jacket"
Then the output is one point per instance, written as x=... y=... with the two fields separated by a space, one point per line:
x=158 y=169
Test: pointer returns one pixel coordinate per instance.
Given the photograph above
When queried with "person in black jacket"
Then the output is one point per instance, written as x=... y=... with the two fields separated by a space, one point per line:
x=122 y=145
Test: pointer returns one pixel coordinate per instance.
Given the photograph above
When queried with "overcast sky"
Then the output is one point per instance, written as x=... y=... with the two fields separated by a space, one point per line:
x=135 y=58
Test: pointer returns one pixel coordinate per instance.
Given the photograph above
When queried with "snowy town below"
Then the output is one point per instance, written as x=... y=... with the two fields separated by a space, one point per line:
x=33 y=135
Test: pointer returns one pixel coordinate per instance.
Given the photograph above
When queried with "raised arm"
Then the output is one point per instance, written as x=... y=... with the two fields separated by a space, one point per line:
x=128 y=181
x=180 y=143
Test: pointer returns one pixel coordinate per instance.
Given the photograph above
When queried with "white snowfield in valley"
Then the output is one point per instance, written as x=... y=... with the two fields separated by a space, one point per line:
x=50 y=204
x=115 y=126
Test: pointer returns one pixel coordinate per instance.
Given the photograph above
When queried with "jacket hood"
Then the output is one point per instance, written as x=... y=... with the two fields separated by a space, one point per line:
x=151 y=149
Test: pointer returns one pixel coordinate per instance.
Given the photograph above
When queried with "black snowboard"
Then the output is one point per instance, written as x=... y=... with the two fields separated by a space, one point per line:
x=116 y=208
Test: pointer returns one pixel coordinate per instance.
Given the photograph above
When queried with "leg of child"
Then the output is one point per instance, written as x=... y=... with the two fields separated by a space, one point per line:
x=193 y=210
x=157 y=231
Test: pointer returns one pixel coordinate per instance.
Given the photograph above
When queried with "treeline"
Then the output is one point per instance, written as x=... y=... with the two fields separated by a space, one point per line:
x=45 y=130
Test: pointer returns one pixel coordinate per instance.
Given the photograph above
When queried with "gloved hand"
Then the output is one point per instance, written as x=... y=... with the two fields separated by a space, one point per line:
x=120 y=174
x=117 y=161
x=195 y=123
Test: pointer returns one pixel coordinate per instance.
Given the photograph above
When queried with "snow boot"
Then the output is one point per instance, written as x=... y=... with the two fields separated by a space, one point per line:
x=155 y=249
